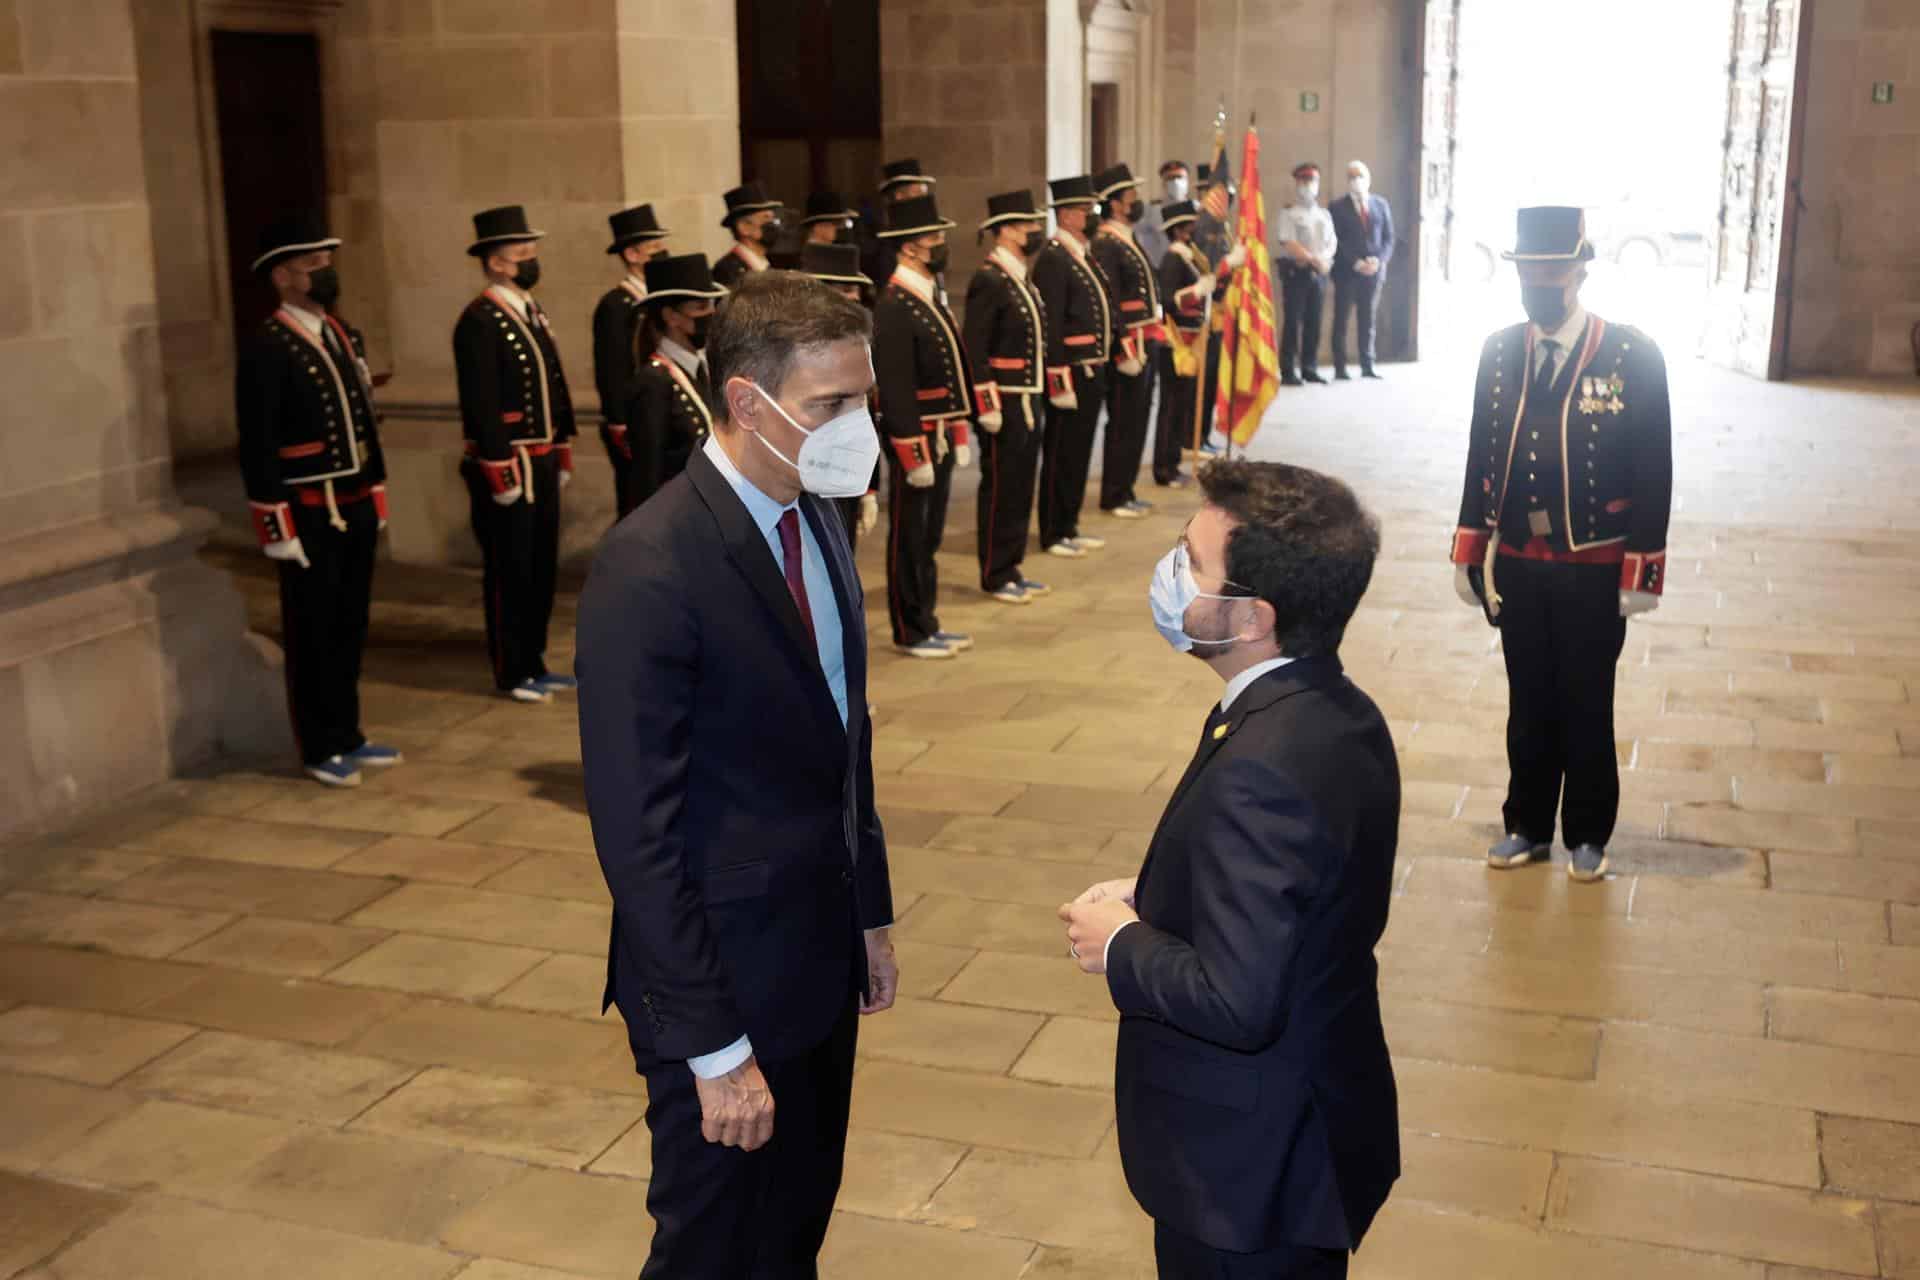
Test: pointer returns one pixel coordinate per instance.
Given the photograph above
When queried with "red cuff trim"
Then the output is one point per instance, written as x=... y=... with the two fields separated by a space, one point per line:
x=1469 y=546
x=959 y=432
x=986 y=398
x=272 y=522
x=1060 y=381
x=380 y=502
x=1131 y=347
x=1644 y=571
x=566 y=456
x=502 y=477
x=913 y=453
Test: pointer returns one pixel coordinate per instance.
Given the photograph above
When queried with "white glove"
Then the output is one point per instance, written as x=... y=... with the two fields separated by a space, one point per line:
x=921 y=477
x=508 y=498
x=963 y=456
x=289 y=549
x=869 y=513
x=1463 y=587
x=566 y=478
x=1206 y=284
x=1632 y=602
x=1065 y=400
x=1237 y=258
x=941 y=445
x=1130 y=367
x=989 y=423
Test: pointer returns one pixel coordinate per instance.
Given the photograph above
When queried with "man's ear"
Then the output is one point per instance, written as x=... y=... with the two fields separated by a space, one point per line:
x=743 y=403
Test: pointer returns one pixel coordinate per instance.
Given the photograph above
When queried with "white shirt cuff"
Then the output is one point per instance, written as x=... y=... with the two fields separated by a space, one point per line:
x=1108 y=949
x=711 y=1066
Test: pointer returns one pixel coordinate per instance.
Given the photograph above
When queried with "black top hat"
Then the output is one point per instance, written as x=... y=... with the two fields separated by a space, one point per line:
x=1071 y=191
x=685 y=276
x=505 y=225
x=744 y=200
x=289 y=237
x=1176 y=212
x=1013 y=206
x=895 y=172
x=1551 y=233
x=633 y=225
x=834 y=263
x=1116 y=179
x=827 y=206
x=914 y=216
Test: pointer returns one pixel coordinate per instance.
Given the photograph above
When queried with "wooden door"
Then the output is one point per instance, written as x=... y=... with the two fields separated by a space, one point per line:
x=1750 y=318
x=1439 y=114
x=1103 y=124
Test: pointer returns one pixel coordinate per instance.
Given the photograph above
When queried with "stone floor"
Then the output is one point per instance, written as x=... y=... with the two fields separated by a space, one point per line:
x=250 y=1028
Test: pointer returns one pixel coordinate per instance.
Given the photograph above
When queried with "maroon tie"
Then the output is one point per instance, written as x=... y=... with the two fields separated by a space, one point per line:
x=796 y=577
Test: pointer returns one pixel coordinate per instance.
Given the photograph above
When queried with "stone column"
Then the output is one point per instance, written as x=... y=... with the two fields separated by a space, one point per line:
x=122 y=658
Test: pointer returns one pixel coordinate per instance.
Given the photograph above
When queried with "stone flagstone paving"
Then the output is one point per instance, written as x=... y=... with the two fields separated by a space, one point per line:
x=251 y=1028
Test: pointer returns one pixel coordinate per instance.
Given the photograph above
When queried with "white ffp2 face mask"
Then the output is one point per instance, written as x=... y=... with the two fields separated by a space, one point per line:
x=837 y=457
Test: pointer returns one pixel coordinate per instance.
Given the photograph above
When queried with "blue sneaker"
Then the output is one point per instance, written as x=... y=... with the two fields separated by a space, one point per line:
x=529 y=691
x=1011 y=593
x=372 y=755
x=335 y=771
x=553 y=683
x=928 y=648
x=1035 y=589
x=954 y=640
x=1588 y=863
x=1517 y=851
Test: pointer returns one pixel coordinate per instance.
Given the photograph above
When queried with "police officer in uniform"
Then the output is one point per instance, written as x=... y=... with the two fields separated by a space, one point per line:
x=668 y=405
x=920 y=370
x=754 y=221
x=1080 y=325
x=518 y=420
x=1135 y=296
x=828 y=220
x=637 y=237
x=316 y=486
x=1304 y=232
x=838 y=267
x=1006 y=340
x=1563 y=536
x=1186 y=287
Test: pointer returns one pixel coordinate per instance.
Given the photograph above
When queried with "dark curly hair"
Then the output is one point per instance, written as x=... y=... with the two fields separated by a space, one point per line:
x=1302 y=542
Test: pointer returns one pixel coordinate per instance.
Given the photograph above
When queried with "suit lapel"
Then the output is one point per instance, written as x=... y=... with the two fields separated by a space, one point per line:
x=832 y=538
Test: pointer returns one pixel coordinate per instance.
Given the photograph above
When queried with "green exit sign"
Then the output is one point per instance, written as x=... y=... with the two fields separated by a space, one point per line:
x=1883 y=92
x=1309 y=102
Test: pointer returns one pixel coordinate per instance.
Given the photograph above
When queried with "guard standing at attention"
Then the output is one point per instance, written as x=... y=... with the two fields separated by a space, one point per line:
x=1214 y=237
x=1304 y=232
x=1186 y=287
x=1135 y=296
x=903 y=179
x=518 y=419
x=1563 y=536
x=920 y=371
x=669 y=402
x=1079 y=323
x=1006 y=339
x=754 y=221
x=316 y=486
x=828 y=220
x=637 y=237
x=838 y=267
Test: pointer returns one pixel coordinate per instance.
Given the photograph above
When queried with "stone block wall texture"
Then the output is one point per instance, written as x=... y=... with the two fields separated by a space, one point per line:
x=1856 y=293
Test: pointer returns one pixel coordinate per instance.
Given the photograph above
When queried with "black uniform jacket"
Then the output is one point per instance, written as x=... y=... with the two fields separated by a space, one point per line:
x=1181 y=272
x=1616 y=450
x=920 y=372
x=615 y=320
x=1080 y=319
x=513 y=392
x=1131 y=288
x=1006 y=335
x=729 y=269
x=732 y=812
x=667 y=420
x=1256 y=1099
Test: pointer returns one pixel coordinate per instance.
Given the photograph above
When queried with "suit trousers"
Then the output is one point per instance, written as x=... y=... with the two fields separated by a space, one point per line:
x=623 y=486
x=1562 y=633
x=1183 y=1258
x=323 y=627
x=1066 y=455
x=1303 y=292
x=916 y=525
x=1359 y=296
x=520 y=548
x=1129 y=404
x=1009 y=461
x=724 y=1214
x=1174 y=432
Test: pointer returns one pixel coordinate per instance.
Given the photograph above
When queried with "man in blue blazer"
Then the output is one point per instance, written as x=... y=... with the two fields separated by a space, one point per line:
x=1363 y=228
x=1257 y=1113
x=723 y=724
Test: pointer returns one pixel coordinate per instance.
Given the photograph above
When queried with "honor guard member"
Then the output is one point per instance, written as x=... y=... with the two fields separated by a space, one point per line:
x=1135 y=296
x=1213 y=236
x=754 y=221
x=668 y=404
x=920 y=371
x=828 y=220
x=637 y=237
x=1304 y=232
x=518 y=418
x=899 y=180
x=1079 y=324
x=1563 y=535
x=316 y=485
x=838 y=267
x=1175 y=187
x=1186 y=287
x=1006 y=340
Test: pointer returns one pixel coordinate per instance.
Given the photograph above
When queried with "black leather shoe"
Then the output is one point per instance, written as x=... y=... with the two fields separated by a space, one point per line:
x=1341 y=375
x=1314 y=378
x=1290 y=380
x=1368 y=373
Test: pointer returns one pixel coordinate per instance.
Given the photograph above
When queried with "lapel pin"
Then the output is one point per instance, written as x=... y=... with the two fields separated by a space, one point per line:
x=1220 y=731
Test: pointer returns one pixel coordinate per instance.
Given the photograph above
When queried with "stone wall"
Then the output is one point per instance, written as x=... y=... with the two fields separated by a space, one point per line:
x=1856 y=295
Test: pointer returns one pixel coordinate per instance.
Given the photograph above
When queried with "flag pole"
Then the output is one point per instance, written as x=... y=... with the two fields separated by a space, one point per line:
x=1206 y=327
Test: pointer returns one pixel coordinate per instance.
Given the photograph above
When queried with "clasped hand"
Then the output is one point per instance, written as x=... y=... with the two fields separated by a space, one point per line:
x=1094 y=917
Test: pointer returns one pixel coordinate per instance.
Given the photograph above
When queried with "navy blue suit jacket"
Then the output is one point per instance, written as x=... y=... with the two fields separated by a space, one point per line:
x=733 y=815
x=1354 y=241
x=1256 y=1099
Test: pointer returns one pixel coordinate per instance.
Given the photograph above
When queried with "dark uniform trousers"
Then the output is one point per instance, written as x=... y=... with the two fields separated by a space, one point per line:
x=519 y=546
x=1183 y=1258
x=1210 y=384
x=1356 y=295
x=1174 y=432
x=323 y=610
x=916 y=525
x=1129 y=404
x=1066 y=455
x=1303 y=293
x=715 y=1214
x=1009 y=460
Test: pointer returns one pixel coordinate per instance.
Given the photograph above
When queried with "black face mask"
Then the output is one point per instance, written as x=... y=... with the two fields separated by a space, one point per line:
x=323 y=286
x=527 y=274
x=1545 y=304
x=698 y=338
x=1036 y=241
x=769 y=231
x=937 y=260
x=1136 y=212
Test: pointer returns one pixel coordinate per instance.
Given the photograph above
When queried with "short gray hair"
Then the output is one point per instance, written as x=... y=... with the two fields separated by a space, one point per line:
x=770 y=319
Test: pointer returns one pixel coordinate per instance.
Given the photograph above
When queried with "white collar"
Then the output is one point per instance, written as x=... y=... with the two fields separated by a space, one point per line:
x=763 y=509
x=518 y=300
x=636 y=286
x=749 y=256
x=1567 y=334
x=1242 y=682
x=1071 y=243
x=1182 y=248
x=312 y=323
x=1010 y=262
x=913 y=282
x=688 y=361
x=1115 y=227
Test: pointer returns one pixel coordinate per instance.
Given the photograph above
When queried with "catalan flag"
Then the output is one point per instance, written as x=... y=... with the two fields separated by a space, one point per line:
x=1249 y=358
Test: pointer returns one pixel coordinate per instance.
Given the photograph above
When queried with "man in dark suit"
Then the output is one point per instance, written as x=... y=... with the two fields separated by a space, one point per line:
x=748 y=870
x=1363 y=230
x=1257 y=1114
